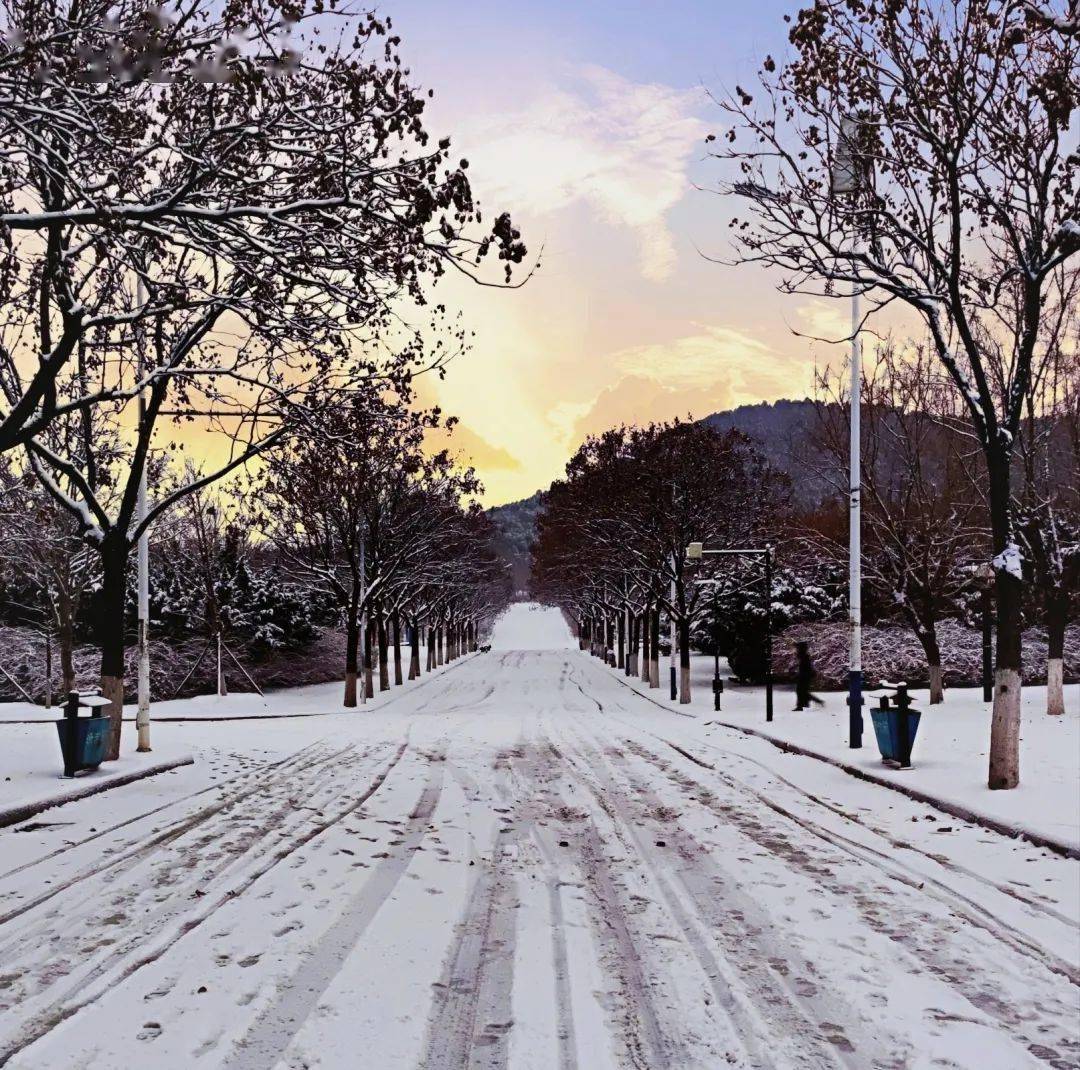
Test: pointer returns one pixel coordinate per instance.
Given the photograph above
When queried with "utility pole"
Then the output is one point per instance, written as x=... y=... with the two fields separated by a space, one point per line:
x=674 y=672
x=363 y=622
x=142 y=717
x=855 y=671
x=851 y=176
x=768 y=636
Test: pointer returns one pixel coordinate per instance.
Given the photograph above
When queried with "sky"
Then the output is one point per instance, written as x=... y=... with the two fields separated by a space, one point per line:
x=587 y=121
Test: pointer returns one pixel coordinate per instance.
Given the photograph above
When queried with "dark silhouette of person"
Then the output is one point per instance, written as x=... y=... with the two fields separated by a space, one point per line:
x=804 y=677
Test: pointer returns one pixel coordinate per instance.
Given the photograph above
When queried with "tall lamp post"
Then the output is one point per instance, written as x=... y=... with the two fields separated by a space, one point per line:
x=850 y=178
x=142 y=717
x=696 y=551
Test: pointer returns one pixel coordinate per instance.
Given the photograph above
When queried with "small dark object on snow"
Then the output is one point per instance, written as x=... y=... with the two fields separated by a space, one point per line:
x=201 y=989
x=804 y=677
x=484 y=649
x=661 y=843
x=564 y=843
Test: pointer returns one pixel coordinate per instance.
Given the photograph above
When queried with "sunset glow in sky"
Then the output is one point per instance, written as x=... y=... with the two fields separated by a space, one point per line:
x=587 y=122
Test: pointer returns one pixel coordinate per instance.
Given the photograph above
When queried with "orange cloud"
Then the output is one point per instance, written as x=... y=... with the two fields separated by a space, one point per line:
x=638 y=400
x=474 y=449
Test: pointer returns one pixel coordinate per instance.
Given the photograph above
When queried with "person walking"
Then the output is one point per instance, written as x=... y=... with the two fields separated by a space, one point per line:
x=804 y=677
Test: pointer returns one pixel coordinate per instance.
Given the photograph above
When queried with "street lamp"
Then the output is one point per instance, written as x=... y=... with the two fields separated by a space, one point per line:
x=695 y=551
x=851 y=176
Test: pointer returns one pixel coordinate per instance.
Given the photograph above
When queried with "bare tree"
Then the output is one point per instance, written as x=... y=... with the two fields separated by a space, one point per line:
x=251 y=170
x=959 y=112
x=213 y=235
x=612 y=537
x=359 y=508
x=1049 y=511
x=924 y=521
x=43 y=555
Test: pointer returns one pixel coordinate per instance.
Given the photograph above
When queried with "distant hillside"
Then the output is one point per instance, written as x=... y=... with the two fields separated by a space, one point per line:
x=782 y=431
x=516 y=522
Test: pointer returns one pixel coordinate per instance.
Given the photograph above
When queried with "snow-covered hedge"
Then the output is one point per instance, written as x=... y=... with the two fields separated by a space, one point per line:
x=22 y=654
x=894 y=653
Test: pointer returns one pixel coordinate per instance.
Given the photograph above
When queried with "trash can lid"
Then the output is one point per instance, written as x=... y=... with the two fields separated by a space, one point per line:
x=91 y=701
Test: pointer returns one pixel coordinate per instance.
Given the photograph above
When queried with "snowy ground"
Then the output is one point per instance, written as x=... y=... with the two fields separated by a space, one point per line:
x=524 y=864
x=950 y=756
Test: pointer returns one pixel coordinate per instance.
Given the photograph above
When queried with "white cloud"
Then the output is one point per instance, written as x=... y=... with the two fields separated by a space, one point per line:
x=697 y=359
x=622 y=147
x=826 y=320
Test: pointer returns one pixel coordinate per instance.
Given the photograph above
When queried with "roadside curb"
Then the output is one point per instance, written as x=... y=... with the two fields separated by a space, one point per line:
x=14 y=814
x=1003 y=828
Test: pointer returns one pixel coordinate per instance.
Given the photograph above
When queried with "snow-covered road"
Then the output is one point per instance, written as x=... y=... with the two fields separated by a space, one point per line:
x=522 y=863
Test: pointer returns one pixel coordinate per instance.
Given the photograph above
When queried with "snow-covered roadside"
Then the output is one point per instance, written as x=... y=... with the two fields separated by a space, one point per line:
x=950 y=754
x=311 y=700
x=526 y=865
x=30 y=763
x=31 y=780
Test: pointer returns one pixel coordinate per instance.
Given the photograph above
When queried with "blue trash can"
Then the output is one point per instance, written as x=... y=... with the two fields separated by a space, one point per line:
x=84 y=741
x=896 y=724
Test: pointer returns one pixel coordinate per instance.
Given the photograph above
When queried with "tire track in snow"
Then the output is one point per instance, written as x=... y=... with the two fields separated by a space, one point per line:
x=534 y=826
x=74 y=845
x=113 y=971
x=721 y=914
x=270 y=1035
x=174 y=858
x=889 y=865
x=899 y=845
x=647 y=1044
x=919 y=938
x=177 y=829
x=974 y=913
x=471 y=1011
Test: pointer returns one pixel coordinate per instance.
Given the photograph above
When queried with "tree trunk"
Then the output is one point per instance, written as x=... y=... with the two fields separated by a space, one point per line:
x=384 y=665
x=369 y=684
x=430 y=649
x=396 y=624
x=66 y=638
x=684 y=661
x=48 y=670
x=646 y=646
x=928 y=638
x=352 y=654
x=1057 y=618
x=414 y=649
x=654 y=661
x=1005 y=722
x=114 y=559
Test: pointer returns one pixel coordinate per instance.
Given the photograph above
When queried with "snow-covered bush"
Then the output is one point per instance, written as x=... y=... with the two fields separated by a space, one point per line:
x=894 y=653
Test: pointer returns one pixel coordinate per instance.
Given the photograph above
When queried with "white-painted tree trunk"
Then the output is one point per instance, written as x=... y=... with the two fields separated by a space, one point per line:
x=1005 y=731
x=1055 y=687
x=937 y=684
x=222 y=688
